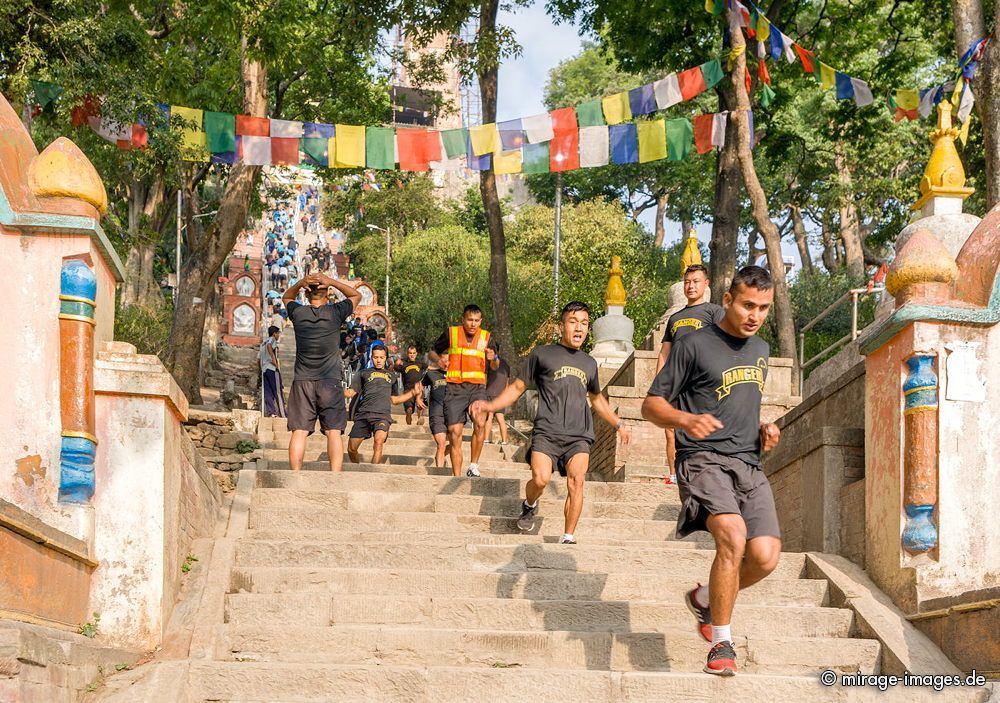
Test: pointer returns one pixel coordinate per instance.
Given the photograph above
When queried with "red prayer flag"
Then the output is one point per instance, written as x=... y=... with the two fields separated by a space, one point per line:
x=253 y=126
x=411 y=149
x=691 y=82
x=89 y=107
x=564 y=151
x=762 y=73
x=139 y=138
x=285 y=151
x=747 y=79
x=902 y=114
x=703 y=125
x=806 y=57
x=563 y=120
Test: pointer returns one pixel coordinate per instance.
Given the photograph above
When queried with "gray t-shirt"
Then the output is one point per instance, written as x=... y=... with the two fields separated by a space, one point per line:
x=564 y=377
x=375 y=387
x=691 y=318
x=317 y=339
x=710 y=371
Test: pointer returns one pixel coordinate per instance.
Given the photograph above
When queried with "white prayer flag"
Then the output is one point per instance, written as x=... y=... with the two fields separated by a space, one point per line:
x=538 y=128
x=286 y=128
x=667 y=91
x=719 y=121
x=966 y=103
x=257 y=151
x=594 y=146
x=862 y=93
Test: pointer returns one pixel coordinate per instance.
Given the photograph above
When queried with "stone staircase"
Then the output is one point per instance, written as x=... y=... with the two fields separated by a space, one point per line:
x=399 y=582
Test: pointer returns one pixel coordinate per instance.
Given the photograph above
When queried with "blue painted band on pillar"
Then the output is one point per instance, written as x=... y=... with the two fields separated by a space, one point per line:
x=920 y=533
x=76 y=469
x=78 y=280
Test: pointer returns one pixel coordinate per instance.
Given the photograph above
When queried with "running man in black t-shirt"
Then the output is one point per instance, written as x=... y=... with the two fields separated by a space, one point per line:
x=373 y=415
x=688 y=319
x=412 y=371
x=317 y=392
x=565 y=377
x=434 y=380
x=496 y=380
x=710 y=390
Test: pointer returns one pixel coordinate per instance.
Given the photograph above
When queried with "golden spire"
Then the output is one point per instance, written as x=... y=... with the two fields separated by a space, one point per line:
x=63 y=171
x=615 y=293
x=944 y=175
x=692 y=254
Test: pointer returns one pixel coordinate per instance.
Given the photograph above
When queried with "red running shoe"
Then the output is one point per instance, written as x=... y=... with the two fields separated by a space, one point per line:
x=701 y=613
x=721 y=660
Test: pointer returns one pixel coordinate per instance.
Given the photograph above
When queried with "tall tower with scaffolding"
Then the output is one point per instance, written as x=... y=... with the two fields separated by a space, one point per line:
x=472 y=105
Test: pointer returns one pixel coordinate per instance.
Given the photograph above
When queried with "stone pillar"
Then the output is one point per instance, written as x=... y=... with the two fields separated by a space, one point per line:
x=920 y=475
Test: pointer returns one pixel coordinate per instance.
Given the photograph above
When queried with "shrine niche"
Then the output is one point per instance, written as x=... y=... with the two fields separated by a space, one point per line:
x=245 y=286
x=244 y=320
x=241 y=301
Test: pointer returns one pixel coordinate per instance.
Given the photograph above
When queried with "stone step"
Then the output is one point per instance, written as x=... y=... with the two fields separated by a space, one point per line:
x=505 y=506
x=621 y=651
x=570 y=585
x=277 y=460
x=455 y=611
x=668 y=562
x=258 y=682
x=462 y=537
x=334 y=522
x=404 y=451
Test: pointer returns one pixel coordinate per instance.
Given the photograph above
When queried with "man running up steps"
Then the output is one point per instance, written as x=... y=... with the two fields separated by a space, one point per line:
x=710 y=392
x=565 y=376
x=374 y=414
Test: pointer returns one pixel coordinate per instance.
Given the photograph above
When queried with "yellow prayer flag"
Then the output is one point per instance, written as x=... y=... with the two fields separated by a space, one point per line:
x=827 y=77
x=485 y=139
x=763 y=28
x=956 y=95
x=507 y=161
x=652 y=140
x=907 y=99
x=350 y=147
x=194 y=142
x=616 y=108
x=963 y=134
x=331 y=151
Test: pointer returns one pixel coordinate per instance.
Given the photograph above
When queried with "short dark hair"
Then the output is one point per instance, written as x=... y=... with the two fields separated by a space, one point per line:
x=413 y=347
x=574 y=306
x=380 y=347
x=471 y=307
x=314 y=292
x=751 y=277
x=272 y=329
x=694 y=268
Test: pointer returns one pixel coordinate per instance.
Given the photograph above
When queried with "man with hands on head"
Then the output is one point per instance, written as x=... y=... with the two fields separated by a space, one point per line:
x=710 y=392
x=565 y=376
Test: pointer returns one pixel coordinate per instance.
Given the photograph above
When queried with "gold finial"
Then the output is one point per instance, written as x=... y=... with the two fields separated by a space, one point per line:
x=692 y=254
x=615 y=293
x=944 y=175
x=62 y=170
x=922 y=268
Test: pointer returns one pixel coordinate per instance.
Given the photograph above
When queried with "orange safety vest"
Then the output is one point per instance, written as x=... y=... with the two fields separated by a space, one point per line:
x=467 y=360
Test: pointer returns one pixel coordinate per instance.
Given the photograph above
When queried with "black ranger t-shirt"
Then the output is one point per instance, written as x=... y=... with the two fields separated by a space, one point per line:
x=317 y=339
x=435 y=380
x=496 y=379
x=564 y=377
x=691 y=318
x=710 y=371
x=412 y=372
x=375 y=388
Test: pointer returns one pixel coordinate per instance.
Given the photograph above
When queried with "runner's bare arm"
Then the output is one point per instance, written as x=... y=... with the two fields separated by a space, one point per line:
x=657 y=410
x=603 y=409
x=770 y=435
x=662 y=358
x=403 y=397
x=350 y=292
x=508 y=396
x=350 y=392
x=419 y=397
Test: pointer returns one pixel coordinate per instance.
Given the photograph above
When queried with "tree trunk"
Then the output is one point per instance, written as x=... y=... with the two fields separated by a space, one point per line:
x=850 y=228
x=502 y=324
x=660 y=228
x=758 y=202
x=799 y=228
x=208 y=253
x=145 y=212
x=726 y=208
x=831 y=258
x=969 y=27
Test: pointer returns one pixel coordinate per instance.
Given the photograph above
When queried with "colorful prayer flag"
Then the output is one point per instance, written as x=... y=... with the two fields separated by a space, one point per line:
x=220 y=128
x=318 y=130
x=249 y=126
x=507 y=162
x=691 y=82
x=594 y=143
x=711 y=73
x=45 y=93
x=716 y=7
x=411 y=149
x=590 y=114
x=719 y=122
x=680 y=138
x=485 y=139
x=642 y=100
x=350 y=146
x=842 y=82
x=285 y=151
x=535 y=158
x=907 y=99
x=285 y=128
x=511 y=134
x=564 y=150
x=652 y=141
x=563 y=121
x=862 y=93
x=762 y=73
x=189 y=122
x=380 y=148
x=927 y=101
x=668 y=91
x=624 y=143
x=703 y=127
x=538 y=128
x=256 y=150
x=478 y=163
x=317 y=150
x=616 y=108
x=456 y=141
x=807 y=58
x=827 y=77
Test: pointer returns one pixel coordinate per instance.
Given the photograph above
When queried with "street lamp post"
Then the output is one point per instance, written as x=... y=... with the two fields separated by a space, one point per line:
x=388 y=259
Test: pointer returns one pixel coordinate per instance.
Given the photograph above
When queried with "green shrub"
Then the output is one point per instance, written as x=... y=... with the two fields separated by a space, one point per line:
x=146 y=328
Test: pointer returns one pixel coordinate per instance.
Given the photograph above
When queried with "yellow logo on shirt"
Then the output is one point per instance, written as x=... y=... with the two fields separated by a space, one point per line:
x=571 y=371
x=381 y=375
x=686 y=322
x=440 y=382
x=411 y=367
x=742 y=374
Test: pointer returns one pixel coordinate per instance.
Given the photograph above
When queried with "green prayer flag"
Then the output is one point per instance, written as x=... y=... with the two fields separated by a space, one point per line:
x=380 y=149
x=455 y=141
x=317 y=149
x=220 y=131
x=46 y=93
x=590 y=114
x=766 y=95
x=711 y=72
x=680 y=138
x=535 y=158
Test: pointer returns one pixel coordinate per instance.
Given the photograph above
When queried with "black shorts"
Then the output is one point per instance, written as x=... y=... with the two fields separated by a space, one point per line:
x=365 y=427
x=458 y=399
x=716 y=484
x=321 y=400
x=410 y=405
x=560 y=451
x=435 y=418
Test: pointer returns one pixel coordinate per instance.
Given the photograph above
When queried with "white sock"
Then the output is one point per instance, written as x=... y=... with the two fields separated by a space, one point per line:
x=532 y=505
x=473 y=466
x=701 y=595
x=721 y=633
x=567 y=535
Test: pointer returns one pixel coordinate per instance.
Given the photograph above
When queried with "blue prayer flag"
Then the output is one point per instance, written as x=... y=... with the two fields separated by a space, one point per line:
x=624 y=143
x=477 y=163
x=511 y=134
x=318 y=130
x=777 y=43
x=642 y=100
x=845 y=89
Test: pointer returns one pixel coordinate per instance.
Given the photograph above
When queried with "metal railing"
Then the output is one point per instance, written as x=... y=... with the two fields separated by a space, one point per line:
x=853 y=295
